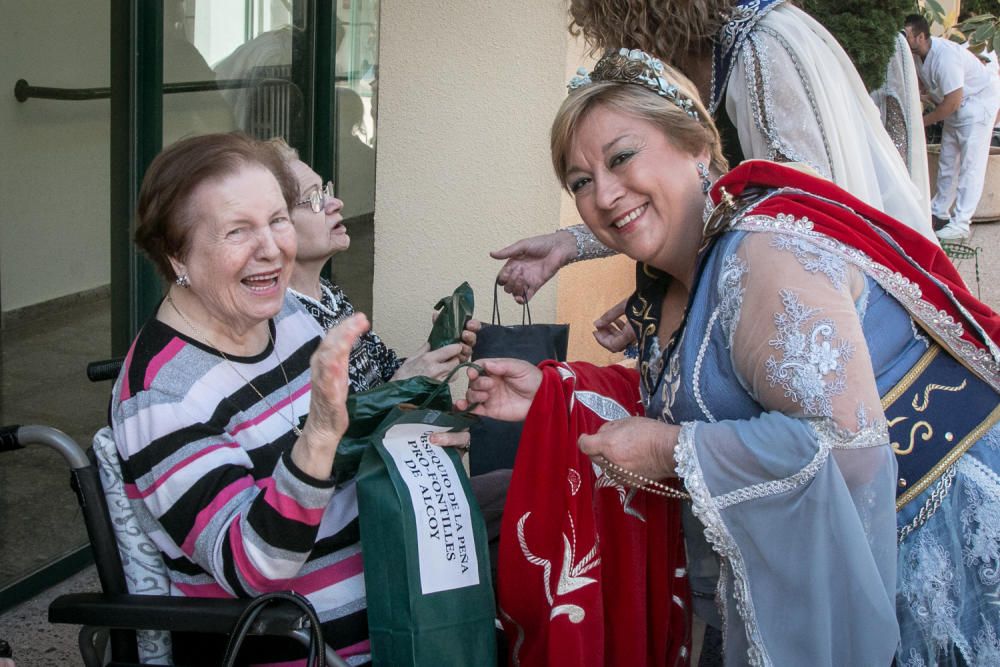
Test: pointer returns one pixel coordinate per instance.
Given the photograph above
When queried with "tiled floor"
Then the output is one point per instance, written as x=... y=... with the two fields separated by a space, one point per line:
x=43 y=381
x=37 y=512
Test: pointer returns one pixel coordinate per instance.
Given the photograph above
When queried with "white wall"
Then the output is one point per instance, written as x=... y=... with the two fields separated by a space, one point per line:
x=466 y=94
x=54 y=172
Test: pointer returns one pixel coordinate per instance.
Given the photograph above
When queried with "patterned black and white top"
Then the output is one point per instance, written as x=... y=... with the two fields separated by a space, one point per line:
x=372 y=362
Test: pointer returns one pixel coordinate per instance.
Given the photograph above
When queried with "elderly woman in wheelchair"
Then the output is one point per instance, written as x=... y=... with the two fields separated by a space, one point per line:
x=220 y=465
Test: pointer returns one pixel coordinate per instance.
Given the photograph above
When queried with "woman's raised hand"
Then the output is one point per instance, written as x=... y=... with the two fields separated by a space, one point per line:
x=328 y=418
x=612 y=331
x=505 y=391
x=532 y=262
x=638 y=444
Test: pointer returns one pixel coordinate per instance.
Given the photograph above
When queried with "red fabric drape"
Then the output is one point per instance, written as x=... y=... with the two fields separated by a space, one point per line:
x=830 y=219
x=590 y=574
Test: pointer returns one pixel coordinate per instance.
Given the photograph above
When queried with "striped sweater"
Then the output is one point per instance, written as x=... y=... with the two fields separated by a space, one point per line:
x=208 y=471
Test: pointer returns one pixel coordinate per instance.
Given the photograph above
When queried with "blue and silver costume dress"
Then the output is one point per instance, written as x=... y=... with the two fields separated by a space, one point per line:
x=791 y=344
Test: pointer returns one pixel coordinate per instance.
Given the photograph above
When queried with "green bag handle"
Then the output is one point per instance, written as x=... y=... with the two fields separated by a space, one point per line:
x=444 y=383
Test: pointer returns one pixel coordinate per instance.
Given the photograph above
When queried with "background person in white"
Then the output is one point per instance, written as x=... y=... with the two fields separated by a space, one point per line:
x=967 y=97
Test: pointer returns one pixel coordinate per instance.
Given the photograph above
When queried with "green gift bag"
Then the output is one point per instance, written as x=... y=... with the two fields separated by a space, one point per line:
x=427 y=569
x=368 y=409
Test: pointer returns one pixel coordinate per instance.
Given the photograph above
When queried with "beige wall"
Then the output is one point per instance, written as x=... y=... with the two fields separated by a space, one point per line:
x=466 y=94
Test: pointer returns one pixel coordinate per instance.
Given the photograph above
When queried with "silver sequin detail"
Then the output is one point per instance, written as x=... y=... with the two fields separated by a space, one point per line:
x=985 y=362
x=813 y=259
x=826 y=170
x=604 y=407
x=587 y=245
x=731 y=295
x=811 y=352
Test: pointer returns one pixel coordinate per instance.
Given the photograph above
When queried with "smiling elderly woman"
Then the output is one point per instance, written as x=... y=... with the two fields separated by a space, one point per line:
x=209 y=412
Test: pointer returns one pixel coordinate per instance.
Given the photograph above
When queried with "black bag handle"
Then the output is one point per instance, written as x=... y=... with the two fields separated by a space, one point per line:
x=525 y=308
x=317 y=652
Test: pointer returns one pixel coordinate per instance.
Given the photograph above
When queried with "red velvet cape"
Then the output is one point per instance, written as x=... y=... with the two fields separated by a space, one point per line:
x=832 y=220
x=589 y=573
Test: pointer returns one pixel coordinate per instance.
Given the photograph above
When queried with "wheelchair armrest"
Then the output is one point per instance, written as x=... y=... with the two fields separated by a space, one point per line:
x=164 y=612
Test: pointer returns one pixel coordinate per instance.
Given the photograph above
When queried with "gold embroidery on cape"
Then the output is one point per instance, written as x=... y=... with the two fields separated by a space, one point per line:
x=925 y=436
x=934 y=387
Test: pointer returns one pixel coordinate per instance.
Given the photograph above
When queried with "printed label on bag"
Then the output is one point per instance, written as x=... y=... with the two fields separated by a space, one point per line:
x=444 y=531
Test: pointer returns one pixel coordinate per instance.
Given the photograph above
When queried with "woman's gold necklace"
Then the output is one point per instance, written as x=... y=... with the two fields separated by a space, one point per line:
x=295 y=428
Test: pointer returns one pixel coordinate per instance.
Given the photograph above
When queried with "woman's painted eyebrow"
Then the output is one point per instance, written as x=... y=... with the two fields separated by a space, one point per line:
x=614 y=141
x=605 y=148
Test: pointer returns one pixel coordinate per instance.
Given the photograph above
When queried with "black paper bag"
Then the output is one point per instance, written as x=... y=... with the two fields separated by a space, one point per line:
x=494 y=443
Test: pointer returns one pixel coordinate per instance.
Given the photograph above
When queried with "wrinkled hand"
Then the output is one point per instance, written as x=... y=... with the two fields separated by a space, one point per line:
x=638 y=444
x=532 y=262
x=505 y=392
x=328 y=417
x=612 y=331
x=438 y=363
x=434 y=364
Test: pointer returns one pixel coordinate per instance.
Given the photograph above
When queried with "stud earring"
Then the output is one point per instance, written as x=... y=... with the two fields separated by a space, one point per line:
x=706 y=183
x=183 y=281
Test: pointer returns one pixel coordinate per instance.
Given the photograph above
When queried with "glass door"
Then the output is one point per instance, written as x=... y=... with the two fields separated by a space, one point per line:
x=55 y=294
x=72 y=287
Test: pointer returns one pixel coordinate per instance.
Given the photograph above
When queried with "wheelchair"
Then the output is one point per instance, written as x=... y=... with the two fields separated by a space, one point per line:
x=120 y=626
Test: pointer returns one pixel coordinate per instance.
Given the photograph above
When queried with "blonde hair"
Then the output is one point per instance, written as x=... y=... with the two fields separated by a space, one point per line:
x=682 y=131
x=666 y=29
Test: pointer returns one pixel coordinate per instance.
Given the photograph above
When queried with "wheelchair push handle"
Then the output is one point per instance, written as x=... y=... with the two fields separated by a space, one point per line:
x=15 y=436
x=104 y=369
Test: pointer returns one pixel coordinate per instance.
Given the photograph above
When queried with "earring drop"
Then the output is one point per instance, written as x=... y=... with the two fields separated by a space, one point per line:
x=706 y=182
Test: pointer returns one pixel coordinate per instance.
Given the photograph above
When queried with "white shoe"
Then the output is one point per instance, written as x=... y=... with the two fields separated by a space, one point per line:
x=953 y=232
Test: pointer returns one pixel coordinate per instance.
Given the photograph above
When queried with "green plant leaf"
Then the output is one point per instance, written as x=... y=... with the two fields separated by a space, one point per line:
x=982 y=33
x=996 y=42
x=935 y=8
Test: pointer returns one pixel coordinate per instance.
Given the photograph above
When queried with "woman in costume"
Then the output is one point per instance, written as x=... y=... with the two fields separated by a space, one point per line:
x=777 y=76
x=227 y=476
x=812 y=370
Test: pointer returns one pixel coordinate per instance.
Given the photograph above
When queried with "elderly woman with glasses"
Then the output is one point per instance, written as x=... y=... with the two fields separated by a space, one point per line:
x=321 y=234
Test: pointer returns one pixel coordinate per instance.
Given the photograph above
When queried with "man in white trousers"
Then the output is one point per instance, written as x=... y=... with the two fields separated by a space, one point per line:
x=967 y=98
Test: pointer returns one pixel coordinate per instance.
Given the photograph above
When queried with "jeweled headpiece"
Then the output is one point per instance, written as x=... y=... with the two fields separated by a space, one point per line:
x=638 y=67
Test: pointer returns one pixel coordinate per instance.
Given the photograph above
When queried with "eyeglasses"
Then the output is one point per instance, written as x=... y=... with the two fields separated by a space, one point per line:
x=317 y=198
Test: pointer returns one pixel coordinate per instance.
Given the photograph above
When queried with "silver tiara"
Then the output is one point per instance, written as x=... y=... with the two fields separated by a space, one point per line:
x=638 y=67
